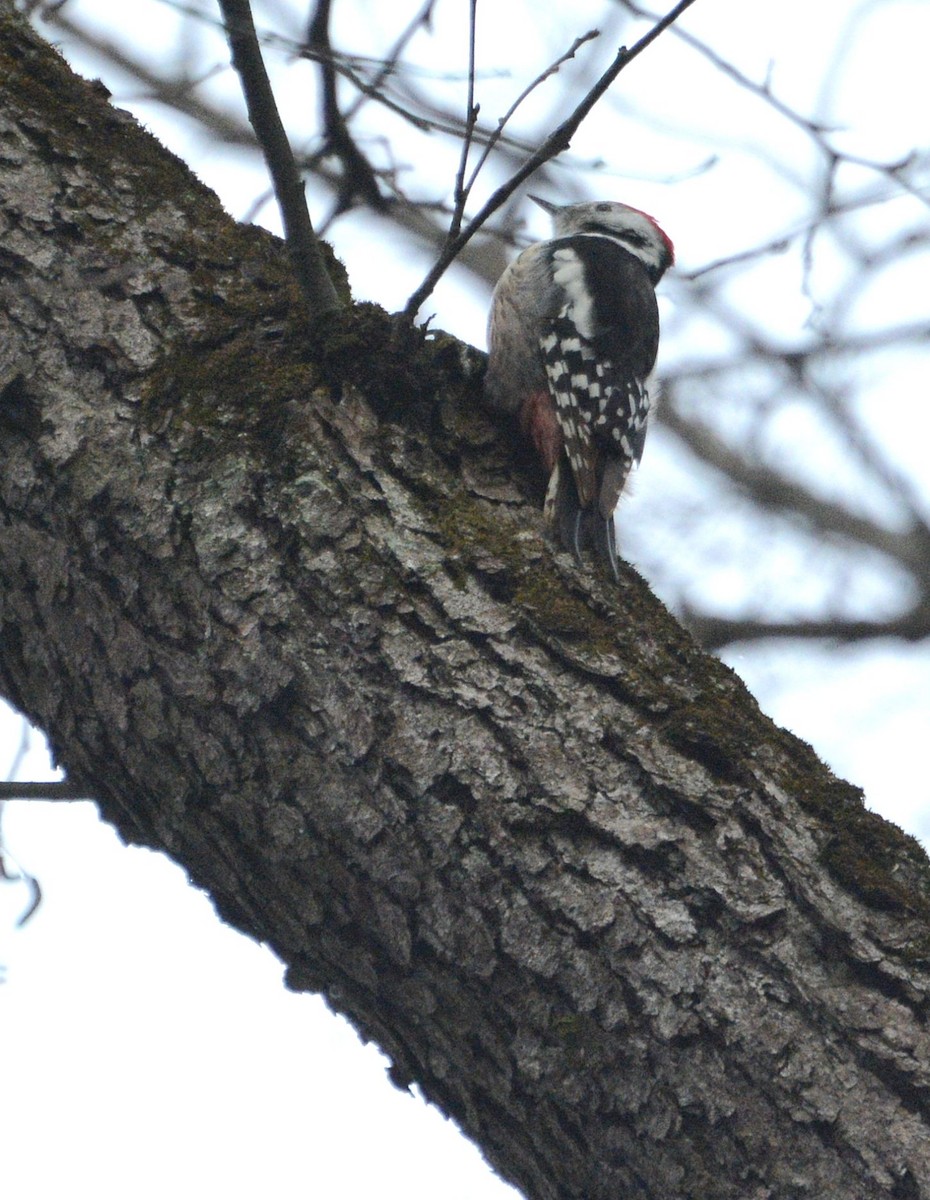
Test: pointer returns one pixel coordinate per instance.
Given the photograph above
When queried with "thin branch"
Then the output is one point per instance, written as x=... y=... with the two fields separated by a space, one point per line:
x=816 y=130
x=772 y=491
x=373 y=90
x=551 y=70
x=558 y=140
x=177 y=94
x=302 y=242
x=875 y=461
x=62 y=790
x=756 y=346
x=18 y=875
x=778 y=245
x=461 y=190
x=714 y=633
x=358 y=177
x=388 y=67
x=35 y=898
x=180 y=96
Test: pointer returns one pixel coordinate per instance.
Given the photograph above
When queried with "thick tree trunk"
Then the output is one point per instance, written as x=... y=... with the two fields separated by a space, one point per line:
x=279 y=601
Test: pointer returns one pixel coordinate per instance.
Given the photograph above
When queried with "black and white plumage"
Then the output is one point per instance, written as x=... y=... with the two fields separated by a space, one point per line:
x=573 y=336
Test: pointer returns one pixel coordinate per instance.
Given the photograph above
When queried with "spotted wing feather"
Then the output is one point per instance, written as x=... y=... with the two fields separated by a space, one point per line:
x=602 y=412
x=568 y=360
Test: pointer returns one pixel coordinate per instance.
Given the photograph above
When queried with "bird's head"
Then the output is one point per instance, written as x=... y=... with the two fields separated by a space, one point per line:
x=636 y=231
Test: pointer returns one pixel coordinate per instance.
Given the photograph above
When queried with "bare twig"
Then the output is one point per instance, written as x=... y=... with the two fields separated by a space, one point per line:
x=461 y=190
x=182 y=96
x=370 y=91
x=817 y=131
x=759 y=347
x=62 y=790
x=551 y=70
x=35 y=899
x=716 y=632
x=373 y=90
x=302 y=242
x=773 y=491
x=358 y=177
x=874 y=460
x=558 y=140
x=18 y=875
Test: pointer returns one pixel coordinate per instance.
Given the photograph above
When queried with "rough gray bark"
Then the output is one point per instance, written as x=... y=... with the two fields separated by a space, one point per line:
x=290 y=618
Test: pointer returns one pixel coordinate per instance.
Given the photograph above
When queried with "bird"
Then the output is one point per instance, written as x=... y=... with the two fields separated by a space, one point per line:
x=573 y=335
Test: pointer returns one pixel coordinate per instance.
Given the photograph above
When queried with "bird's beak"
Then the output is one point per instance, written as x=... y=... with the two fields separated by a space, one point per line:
x=545 y=205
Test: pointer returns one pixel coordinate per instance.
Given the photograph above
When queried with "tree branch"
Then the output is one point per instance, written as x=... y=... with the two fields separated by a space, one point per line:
x=546 y=853
x=460 y=191
x=46 y=790
x=814 y=129
x=558 y=140
x=374 y=89
x=773 y=491
x=358 y=178
x=717 y=632
x=495 y=136
x=303 y=246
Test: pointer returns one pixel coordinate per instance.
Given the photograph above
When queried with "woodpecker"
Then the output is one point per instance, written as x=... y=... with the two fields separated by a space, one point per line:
x=573 y=336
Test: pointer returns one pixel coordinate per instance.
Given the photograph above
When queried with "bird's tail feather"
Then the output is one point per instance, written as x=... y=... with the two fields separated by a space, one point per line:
x=604 y=537
x=578 y=528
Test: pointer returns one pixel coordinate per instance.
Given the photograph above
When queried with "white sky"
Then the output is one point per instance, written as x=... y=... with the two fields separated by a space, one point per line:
x=150 y=1050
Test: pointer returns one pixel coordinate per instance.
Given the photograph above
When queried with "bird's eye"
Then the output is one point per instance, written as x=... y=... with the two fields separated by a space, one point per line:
x=603 y=208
